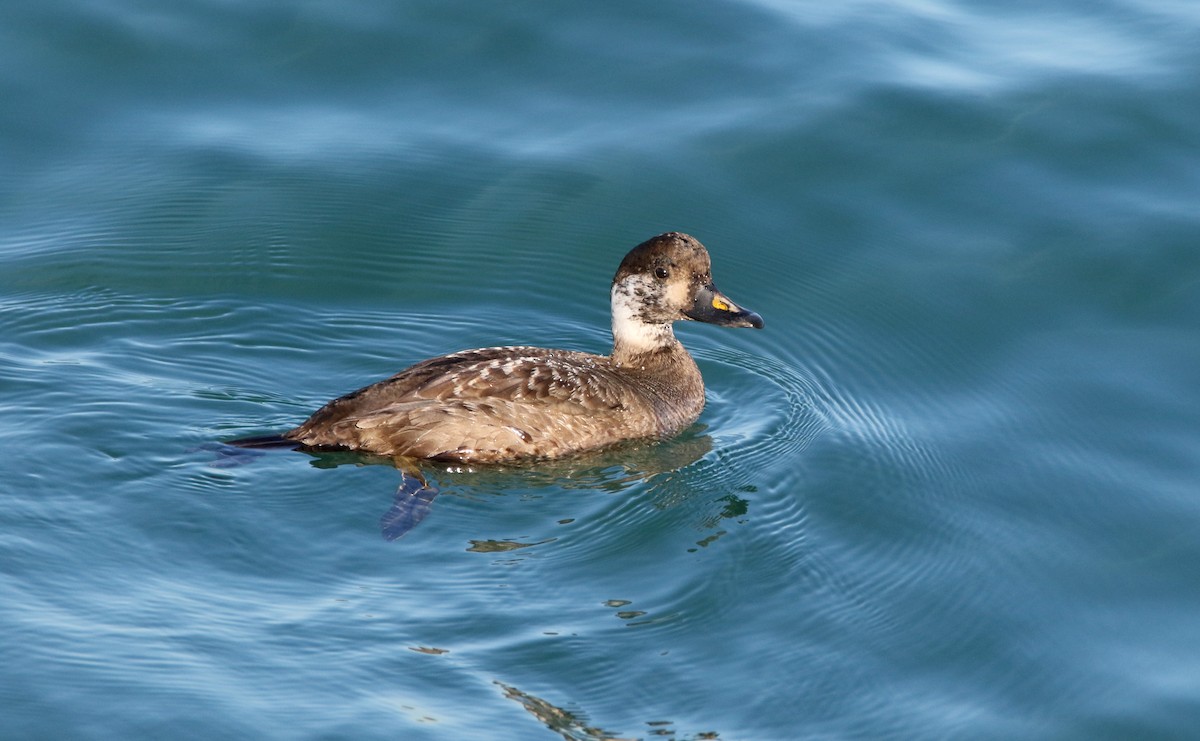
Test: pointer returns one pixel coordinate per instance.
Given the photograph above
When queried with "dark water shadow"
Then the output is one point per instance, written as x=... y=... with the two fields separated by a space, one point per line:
x=573 y=725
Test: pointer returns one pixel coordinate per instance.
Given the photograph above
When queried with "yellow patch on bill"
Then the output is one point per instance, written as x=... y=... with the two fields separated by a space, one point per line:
x=719 y=304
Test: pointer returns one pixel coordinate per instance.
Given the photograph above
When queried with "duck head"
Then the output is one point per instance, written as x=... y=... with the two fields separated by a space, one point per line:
x=666 y=279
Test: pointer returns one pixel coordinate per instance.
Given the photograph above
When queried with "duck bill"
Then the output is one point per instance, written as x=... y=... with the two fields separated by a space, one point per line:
x=714 y=308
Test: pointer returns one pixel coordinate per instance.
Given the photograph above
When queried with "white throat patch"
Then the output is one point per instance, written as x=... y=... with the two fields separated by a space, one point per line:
x=630 y=329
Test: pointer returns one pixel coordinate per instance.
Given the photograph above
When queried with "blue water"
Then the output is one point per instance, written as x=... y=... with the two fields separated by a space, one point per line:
x=948 y=492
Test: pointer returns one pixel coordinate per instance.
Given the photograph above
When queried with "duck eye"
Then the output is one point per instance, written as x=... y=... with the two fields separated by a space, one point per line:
x=661 y=273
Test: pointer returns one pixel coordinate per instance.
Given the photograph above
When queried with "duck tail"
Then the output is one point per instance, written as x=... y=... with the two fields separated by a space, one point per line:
x=263 y=442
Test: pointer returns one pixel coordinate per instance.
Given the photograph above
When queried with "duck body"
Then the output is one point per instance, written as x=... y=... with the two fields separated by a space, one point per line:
x=504 y=404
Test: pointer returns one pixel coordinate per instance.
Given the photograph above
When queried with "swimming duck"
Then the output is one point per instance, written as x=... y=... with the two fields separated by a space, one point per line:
x=503 y=404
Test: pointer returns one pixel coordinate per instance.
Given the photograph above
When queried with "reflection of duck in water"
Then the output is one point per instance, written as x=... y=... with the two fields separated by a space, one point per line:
x=612 y=470
x=511 y=403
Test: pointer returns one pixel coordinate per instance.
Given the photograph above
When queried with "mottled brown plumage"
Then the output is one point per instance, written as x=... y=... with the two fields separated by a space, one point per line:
x=508 y=403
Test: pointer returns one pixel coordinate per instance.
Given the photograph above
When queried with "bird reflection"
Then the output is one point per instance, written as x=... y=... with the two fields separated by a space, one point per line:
x=416 y=491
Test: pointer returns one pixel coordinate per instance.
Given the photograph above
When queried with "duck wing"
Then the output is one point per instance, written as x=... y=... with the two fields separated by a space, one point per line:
x=488 y=404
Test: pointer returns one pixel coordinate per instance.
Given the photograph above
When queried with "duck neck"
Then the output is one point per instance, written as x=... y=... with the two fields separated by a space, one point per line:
x=667 y=376
x=639 y=345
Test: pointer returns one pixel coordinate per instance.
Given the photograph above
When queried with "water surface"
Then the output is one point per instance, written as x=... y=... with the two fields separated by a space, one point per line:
x=948 y=492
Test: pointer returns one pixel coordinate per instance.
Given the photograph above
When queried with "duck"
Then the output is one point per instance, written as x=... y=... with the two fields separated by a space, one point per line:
x=516 y=403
